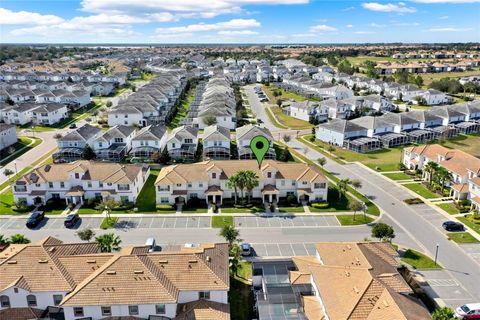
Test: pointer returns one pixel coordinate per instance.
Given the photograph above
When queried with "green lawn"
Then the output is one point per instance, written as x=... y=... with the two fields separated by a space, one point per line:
x=421 y=190
x=397 y=176
x=253 y=209
x=449 y=208
x=381 y=160
x=183 y=108
x=474 y=224
x=418 y=260
x=240 y=294
x=108 y=223
x=21 y=147
x=88 y=210
x=429 y=77
x=286 y=95
x=221 y=221
x=296 y=209
x=7 y=207
x=347 y=219
x=273 y=120
x=468 y=143
x=462 y=237
x=55 y=207
x=288 y=121
x=146 y=200
x=335 y=203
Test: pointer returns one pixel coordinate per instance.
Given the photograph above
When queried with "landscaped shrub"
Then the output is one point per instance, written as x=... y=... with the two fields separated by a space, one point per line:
x=413 y=201
x=320 y=205
x=165 y=207
x=292 y=199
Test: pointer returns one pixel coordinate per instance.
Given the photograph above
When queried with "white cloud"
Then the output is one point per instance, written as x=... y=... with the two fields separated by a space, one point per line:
x=448 y=29
x=237 y=33
x=322 y=28
x=202 y=27
x=348 y=9
x=363 y=32
x=389 y=7
x=191 y=8
x=103 y=18
x=444 y=17
x=376 y=25
x=406 y=24
x=74 y=32
x=26 y=18
x=304 y=35
x=162 y=17
x=349 y=25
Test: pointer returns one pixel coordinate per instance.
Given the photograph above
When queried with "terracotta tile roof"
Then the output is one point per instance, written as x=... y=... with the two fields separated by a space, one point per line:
x=346 y=254
x=92 y=170
x=20 y=313
x=460 y=187
x=476 y=200
x=199 y=171
x=312 y=308
x=203 y=310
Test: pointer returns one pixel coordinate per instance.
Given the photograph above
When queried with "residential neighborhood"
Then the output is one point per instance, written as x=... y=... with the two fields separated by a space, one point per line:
x=244 y=160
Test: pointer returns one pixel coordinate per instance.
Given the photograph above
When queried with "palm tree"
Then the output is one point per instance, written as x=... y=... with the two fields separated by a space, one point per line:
x=431 y=168
x=232 y=183
x=230 y=234
x=342 y=187
x=4 y=240
x=444 y=313
x=235 y=259
x=108 y=242
x=251 y=181
x=241 y=183
x=19 y=239
x=444 y=176
x=322 y=161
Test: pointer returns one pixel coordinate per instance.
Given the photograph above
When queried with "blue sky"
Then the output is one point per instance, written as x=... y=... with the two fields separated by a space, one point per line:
x=238 y=21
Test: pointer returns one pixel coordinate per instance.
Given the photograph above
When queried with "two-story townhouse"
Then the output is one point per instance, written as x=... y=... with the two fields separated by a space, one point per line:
x=114 y=144
x=303 y=110
x=208 y=180
x=19 y=114
x=182 y=143
x=244 y=136
x=8 y=135
x=72 y=145
x=216 y=143
x=49 y=113
x=433 y=97
x=53 y=279
x=81 y=180
x=148 y=141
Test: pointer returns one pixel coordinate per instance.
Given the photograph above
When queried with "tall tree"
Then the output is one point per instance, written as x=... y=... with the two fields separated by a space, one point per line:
x=355 y=206
x=230 y=233
x=342 y=186
x=383 y=231
x=108 y=242
x=251 y=182
x=232 y=183
x=444 y=313
x=322 y=161
x=431 y=169
x=88 y=153
x=444 y=176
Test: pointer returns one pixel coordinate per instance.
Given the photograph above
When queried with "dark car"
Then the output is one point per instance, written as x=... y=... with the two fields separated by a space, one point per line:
x=452 y=226
x=35 y=218
x=73 y=126
x=259 y=120
x=71 y=220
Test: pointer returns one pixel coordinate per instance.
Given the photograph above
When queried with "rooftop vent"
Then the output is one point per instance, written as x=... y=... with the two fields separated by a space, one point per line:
x=47 y=167
x=138 y=271
x=42 y=261
x=192 y=261
x=163 y=261
x=347 y=274
x=12 y=262
x=91 y=261
x=52 y=249
x=385 y=303
x=111 y=272
x=356 y=290
x=209 y=259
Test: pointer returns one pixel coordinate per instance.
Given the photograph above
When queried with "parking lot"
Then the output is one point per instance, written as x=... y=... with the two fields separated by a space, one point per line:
x=286 y=222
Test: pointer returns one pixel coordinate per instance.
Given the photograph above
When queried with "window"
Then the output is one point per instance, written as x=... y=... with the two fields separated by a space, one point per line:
x=50 y=185
x=304 y=183
x=173 y=145
x=204 y=295
x=133 y=310
x=123 y=199
x=100 y=184
x=76 y=175
x=20 y=188
x=293 y=183
x=164 y=200
x=89 y=184
x=189 y=185
x=269 y=174
x=106 y=311
x=320 y=185
x=160 y=309
x=109 y=184
x=163 y=188
x=188 y=141
x=57 y=298
x=4 y=302
x=193 y=196
x=214 y=175
x=123 y=187
x=118 y=140
x=62 y=184
x=179 y=184
x=31 y=300
x=37 y=185
x=200 y=185
x=282 y=183
x=78 y=312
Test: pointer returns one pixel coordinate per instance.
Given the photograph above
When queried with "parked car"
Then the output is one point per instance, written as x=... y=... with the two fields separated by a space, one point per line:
x=264 y=99
x=259 y=121
x=152 y=245
x=468 y=311
x=35 y=218
x=73 y=126
x=246 y=249
x=71 y=220
x=452 y=226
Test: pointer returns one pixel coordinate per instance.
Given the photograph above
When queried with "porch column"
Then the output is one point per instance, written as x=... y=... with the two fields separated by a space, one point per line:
x=66 y=201
x=270 y=197
x=214 y=199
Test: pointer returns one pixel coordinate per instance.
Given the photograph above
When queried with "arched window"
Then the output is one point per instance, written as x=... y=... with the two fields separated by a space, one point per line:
x=31 y=300
x=4 y=302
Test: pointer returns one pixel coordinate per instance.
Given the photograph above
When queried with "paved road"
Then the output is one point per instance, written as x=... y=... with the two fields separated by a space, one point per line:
x=415 y=221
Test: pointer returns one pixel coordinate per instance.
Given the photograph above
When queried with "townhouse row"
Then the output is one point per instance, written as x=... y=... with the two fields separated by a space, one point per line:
x=371 y=133
x=181 y=143
x=50 y=279
x=118 y=78
x=463 y=167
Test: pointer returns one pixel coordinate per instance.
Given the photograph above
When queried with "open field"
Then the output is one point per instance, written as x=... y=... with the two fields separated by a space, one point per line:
x=221 y=221
x=183 y=108
x=468 y=143
x=430 y=77
x=421 y=190
x=146 y=201
x=286 y=95
x=397 y=176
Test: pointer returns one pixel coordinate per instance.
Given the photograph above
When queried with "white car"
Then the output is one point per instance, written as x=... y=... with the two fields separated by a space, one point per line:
x=246 y=249
x=468 y=311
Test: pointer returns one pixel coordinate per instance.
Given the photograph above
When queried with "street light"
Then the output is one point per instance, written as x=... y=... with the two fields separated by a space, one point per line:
x=436 y=254
x=15 y=164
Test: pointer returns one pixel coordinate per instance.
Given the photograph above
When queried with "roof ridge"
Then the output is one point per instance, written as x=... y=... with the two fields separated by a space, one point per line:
x=159 y=275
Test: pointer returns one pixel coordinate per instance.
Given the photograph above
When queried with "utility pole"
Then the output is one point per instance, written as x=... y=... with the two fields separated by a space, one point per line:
x=436 y=254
